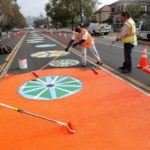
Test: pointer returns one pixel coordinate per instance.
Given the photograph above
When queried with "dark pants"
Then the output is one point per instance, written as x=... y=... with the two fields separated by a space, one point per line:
x=127 y=56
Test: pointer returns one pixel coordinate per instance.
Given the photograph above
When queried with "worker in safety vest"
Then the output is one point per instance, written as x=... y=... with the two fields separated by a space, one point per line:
x=129 y=38
x=85 y=41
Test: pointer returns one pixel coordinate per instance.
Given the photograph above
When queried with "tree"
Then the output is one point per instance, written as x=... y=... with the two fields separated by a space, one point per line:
x=10 y=15
x=135 y=10
x=69 y=11
x=40 y=22
x=18 y=19
x=5 y=11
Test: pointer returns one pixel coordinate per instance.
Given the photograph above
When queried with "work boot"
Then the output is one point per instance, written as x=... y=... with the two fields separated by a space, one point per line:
x=99 y=63
x=126 y=71
x=83 y=65
x=121 y=68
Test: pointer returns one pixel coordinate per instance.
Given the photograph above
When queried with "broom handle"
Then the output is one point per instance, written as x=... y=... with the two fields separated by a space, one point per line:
x=9 y=107
x=66 y=125
x=29 y=113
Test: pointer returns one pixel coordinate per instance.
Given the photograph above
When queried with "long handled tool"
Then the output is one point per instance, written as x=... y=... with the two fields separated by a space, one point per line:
x=53 y=60
x=95 y=71
x=113 y=42
x=68 y=125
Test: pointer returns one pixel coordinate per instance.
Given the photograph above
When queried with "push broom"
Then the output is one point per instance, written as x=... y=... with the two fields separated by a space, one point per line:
x=68 y=125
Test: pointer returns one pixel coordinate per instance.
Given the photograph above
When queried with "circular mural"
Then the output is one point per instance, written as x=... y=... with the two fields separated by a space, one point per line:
x=64 y=63
x=45 y=45
x=32 y=42
x=37 y=37
x=49 y=54
x=50 y=87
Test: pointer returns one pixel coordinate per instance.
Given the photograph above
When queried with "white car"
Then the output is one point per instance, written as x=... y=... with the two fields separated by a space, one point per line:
x=143 y=29
x=96 y=28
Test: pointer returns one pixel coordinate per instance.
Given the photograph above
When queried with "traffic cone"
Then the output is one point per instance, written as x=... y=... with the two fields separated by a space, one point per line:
x=51 y=33
x=65 y=37
x=9 y=38
x=59 y=35
x=146 y=70
x=15 y=34
x=143 y=60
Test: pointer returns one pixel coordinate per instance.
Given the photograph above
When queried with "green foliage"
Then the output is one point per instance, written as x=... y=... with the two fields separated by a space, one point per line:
x=69 y=11
x=10 y=15
x=135 y=10
x=40 y=22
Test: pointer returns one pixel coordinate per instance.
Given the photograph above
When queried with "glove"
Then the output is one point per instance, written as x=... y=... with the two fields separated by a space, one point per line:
x=66 y=49
x=74 y=45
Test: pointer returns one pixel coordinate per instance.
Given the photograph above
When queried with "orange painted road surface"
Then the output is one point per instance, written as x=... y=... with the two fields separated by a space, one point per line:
x=107 y=114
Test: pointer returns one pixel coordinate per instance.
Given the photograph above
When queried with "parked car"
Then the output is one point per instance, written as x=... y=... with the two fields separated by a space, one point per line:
x=96 y=28
x=143 y=29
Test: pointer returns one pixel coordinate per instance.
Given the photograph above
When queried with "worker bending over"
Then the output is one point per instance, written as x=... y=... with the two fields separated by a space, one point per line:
x=85 y=41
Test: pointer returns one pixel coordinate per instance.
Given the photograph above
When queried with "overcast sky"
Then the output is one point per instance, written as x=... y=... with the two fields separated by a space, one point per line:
x=36 y=7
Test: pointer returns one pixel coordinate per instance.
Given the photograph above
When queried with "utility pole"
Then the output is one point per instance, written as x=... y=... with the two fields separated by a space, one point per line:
x=81 y=11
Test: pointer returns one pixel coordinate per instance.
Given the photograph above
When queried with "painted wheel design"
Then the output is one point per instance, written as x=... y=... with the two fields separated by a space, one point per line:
x=49 y=54
x=50 y=87
x=64 y=63
x=45 y=45
x=34 y=42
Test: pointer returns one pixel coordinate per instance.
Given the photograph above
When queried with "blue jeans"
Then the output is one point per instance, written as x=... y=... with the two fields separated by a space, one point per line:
x=127 y=56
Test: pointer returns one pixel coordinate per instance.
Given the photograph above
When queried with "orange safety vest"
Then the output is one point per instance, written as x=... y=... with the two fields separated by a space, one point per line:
x=89 y=40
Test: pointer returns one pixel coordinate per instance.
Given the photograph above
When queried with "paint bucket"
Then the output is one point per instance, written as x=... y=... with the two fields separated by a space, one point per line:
x=22 y=63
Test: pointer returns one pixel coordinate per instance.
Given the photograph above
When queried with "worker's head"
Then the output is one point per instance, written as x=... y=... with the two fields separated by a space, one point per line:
x=124 y=16
x=78 y=29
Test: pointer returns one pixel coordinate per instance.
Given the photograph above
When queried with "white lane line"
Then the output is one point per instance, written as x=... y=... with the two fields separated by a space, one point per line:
x=136 y=50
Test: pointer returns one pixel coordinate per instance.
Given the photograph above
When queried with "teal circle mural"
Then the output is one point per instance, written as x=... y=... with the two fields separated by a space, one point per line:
x=50 y=88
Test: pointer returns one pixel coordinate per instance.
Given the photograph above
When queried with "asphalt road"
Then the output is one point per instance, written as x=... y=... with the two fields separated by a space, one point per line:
x=111 y=55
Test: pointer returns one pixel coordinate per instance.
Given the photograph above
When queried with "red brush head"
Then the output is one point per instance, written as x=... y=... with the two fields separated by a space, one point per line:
x=94 y=70
x=35 y=74
x=70 y=127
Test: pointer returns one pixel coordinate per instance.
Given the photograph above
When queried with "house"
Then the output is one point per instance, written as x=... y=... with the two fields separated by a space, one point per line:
x=103 y=14
x=14 y=2
x=118 y=7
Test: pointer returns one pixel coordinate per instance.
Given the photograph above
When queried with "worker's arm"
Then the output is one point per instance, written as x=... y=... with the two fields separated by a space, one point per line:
x=78 y=43
x=84 y=38
x=71 y=41
x=69 y=44
x=123 y=33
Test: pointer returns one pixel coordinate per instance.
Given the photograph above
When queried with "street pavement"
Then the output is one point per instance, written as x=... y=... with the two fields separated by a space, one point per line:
x=111 y=55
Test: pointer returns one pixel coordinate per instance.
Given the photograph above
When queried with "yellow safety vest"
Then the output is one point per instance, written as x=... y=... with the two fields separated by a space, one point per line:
x=89 y=40
x=131 y=35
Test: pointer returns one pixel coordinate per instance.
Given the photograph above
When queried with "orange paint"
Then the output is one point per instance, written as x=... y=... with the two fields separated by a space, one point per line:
x=107 y=114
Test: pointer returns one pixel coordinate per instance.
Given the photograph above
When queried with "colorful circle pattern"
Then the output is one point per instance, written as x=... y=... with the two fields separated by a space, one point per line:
x=49 y=54
x=50 y=87
x=64 y=63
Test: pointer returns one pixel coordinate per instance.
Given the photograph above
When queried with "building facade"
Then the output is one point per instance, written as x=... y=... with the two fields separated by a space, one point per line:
x=118 y=7
x=103 y=14
x=14 y=2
